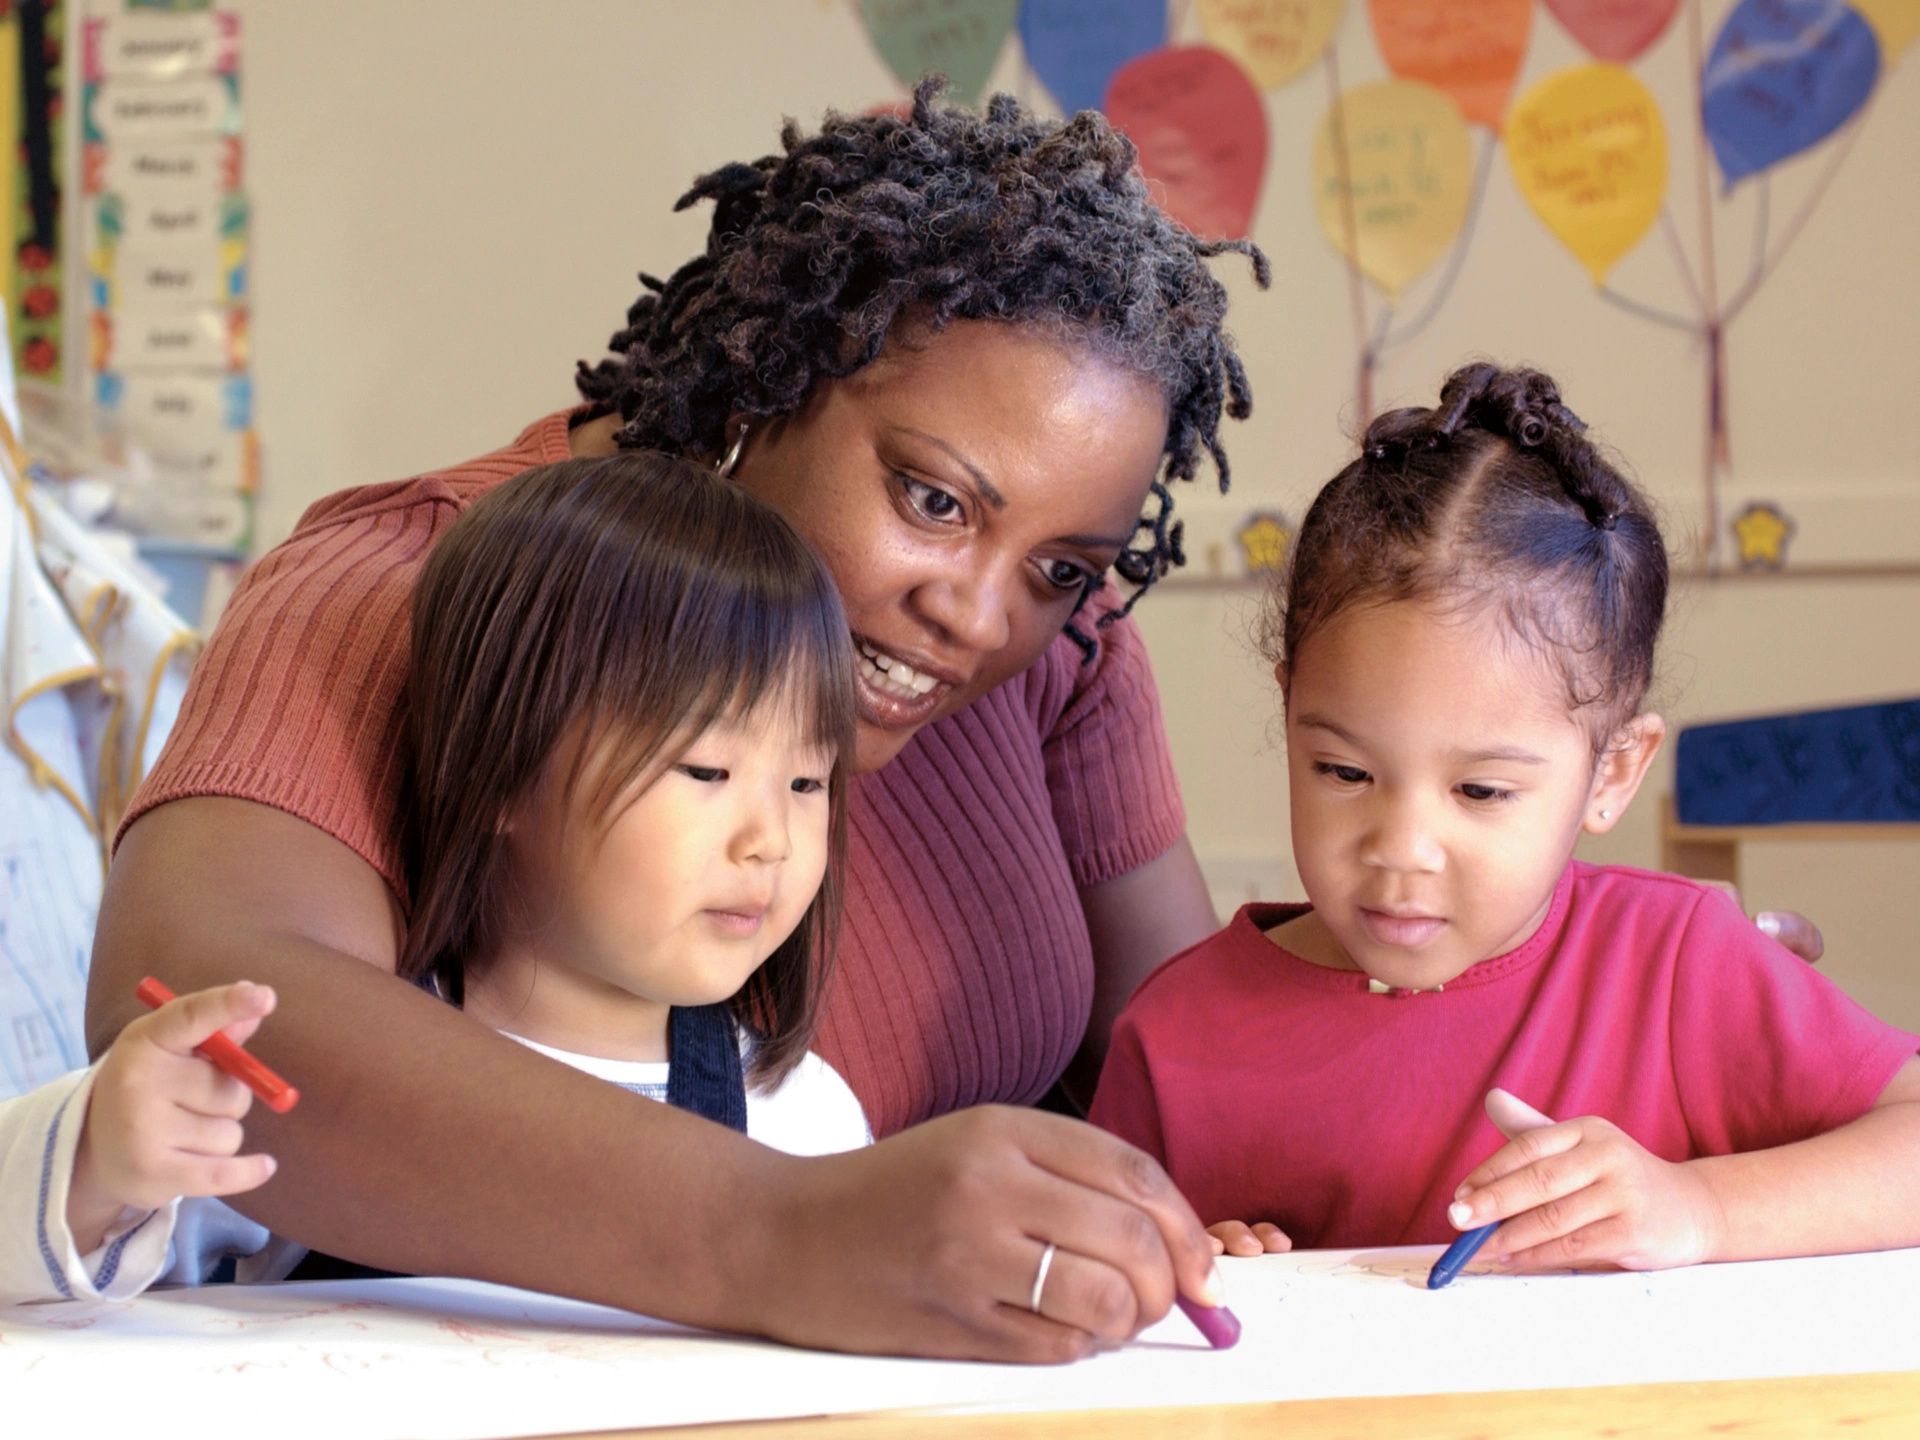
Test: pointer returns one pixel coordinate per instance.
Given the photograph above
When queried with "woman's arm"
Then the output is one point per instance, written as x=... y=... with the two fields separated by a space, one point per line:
x=1137 y=921
x=425 y=1143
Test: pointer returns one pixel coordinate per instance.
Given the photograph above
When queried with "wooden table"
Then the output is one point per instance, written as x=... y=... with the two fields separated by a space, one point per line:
x=1870 y=1407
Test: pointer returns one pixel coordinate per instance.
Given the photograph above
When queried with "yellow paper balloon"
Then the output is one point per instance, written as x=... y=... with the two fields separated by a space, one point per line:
x=1392 y=196
x=1896 y=25
x=1274 y=40
x=1589 y=153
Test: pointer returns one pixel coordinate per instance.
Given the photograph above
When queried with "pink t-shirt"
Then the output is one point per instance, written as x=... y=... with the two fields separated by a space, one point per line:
x=1275 y=1089
x=965 y=969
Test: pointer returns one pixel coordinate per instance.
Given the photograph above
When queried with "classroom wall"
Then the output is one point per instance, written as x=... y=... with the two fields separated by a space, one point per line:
x=452 y=197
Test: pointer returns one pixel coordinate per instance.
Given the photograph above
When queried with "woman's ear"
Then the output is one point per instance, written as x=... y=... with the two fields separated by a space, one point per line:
x=1623 y=765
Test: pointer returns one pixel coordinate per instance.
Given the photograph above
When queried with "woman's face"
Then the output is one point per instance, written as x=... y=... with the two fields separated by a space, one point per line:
x=961 y=489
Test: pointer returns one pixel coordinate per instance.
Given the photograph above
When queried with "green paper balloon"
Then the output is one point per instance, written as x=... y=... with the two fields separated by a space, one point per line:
x=959 y=38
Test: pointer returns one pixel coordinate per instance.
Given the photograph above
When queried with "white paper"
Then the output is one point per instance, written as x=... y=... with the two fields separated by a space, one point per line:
x=161 y=47
x=175 y=412
x=143 y=109
x=160 y=166
x=455 y=1359
x=188 y=337
x=180 y=217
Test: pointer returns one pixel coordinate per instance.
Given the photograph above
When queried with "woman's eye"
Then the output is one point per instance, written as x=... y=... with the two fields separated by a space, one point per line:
x=1065 y=575
x=1482 y=794
x=1345 y=774
x=930 y=500
x=807 y=785
x=705 y=774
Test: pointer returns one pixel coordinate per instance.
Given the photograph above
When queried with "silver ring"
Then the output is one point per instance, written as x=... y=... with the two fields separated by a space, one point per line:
x=1040 y=1277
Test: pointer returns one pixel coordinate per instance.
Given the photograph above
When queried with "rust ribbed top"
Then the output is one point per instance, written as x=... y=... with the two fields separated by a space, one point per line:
x=966 y=973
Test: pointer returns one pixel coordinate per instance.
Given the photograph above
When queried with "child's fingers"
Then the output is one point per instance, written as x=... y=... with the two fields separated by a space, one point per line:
x=1517 y=1154
x=1557 y=1228
x=1272 y=1238
x=204 y=1135
x=1585 y=1247
x=223 y=1175
x=1235 y=1238
x=189 y=1020
x=192 y=1084
x=1535 y=1170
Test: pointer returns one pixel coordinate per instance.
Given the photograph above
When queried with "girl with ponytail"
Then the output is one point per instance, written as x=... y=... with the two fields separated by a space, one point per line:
x=1464 y=641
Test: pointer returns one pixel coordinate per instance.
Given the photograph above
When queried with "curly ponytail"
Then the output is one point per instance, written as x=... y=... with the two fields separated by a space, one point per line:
x=1495 y=495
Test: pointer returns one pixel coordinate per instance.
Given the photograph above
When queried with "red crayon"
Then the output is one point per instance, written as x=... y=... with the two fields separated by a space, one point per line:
x=275 y=1093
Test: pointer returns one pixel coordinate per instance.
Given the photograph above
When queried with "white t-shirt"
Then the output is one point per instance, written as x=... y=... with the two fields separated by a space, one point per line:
x=811 y=1112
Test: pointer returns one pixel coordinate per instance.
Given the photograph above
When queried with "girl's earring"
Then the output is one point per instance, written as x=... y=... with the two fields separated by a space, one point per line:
x=1606 y=814
x=731 y=460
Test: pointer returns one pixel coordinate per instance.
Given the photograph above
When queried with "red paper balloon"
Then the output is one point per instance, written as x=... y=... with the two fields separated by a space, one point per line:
x=1202 y=134
x=1616 y=30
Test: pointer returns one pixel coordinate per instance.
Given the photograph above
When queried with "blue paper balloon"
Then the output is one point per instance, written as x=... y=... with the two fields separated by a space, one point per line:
x=1784 y=75
x=1075 y=46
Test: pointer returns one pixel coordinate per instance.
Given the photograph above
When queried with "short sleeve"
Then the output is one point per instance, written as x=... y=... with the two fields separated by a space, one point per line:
x=296 y=702
x=1109 y=771
x=1766 y=1049
x=1124 y=1102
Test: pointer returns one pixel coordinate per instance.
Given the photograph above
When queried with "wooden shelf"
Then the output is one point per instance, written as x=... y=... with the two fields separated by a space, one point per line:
x=1712 y=852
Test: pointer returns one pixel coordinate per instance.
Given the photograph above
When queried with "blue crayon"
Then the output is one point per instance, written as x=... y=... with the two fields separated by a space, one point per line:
x=1458 y=1254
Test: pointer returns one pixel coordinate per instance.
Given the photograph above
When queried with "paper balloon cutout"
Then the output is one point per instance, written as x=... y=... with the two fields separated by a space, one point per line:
x=1074 y=46
x=1396 y=199
x=1896 y=24
x=1274 y=39
x=1616 y=30
x=1589 y=152
x=1783 y=75
x=1471 y=49
x=1202 y=134
x=959 y=38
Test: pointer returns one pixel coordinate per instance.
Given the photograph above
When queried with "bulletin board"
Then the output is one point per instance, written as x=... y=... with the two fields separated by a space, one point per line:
x=1688 y=211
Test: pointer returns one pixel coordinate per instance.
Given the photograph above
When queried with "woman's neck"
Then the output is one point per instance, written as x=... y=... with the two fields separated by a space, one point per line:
x=593 y=438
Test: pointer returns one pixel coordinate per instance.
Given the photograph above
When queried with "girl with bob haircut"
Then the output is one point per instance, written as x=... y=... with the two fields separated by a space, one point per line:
x=586 y=634
x=1464 y=644
x=628 y=714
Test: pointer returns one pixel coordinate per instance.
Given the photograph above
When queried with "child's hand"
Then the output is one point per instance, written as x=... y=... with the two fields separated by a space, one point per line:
x=1583 y=1193
x=161 y=1120
x=1233 y=1237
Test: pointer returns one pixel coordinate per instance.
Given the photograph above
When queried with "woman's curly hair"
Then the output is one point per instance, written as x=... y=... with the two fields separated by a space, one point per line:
x=938 y=215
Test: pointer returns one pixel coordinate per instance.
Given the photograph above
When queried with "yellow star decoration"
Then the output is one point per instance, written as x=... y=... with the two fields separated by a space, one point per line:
x=1763 y=531
x=1264 y=538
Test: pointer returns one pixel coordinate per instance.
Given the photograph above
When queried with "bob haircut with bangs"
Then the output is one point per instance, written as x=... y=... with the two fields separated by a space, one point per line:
x=576 y=623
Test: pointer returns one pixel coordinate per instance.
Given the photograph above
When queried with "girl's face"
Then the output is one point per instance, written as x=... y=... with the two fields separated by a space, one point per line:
x=698 y=877
x=1438 y=784
x=961 y=489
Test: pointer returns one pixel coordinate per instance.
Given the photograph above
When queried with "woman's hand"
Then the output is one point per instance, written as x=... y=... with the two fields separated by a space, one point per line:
x=1236 y=1237
x=163 y=1122
x=1789 y=927
x=931 y=1242
x=1583 y=1193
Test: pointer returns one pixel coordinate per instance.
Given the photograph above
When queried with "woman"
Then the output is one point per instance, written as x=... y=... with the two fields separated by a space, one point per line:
x=960 y=352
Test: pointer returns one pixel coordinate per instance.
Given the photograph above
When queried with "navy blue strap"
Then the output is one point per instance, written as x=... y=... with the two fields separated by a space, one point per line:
x=704 y=1073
